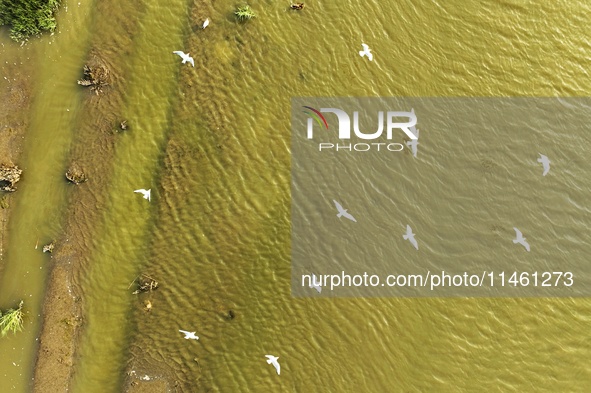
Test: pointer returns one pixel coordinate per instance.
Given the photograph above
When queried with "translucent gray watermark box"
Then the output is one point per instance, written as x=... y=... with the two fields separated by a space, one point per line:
x=478 y=172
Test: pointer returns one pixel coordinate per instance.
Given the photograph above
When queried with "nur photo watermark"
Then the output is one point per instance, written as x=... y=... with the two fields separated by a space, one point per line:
x=388 y=120
x=473 y=205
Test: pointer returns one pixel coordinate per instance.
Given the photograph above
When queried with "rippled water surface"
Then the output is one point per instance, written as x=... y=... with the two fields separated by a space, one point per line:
x=213 y=144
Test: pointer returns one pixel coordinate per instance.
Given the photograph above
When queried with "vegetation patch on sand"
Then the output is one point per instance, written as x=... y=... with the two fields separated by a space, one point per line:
x=11 y=320
x=95 y=77
x=28 y=17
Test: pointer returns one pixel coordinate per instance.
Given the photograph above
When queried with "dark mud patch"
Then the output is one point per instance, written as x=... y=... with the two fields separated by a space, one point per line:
x=16 y=102
x=15 y=99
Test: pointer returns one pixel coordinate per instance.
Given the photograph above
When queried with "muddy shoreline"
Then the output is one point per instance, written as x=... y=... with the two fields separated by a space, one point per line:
x=62 y=310
x=92 y=152
x=63 y=307
x=16 y=101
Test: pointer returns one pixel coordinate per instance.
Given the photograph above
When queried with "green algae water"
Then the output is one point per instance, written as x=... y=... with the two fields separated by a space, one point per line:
x=213 y=144
x=119 y=240
x=39 y=202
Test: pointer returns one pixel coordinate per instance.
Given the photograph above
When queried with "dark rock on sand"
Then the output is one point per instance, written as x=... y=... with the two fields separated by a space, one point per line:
x=76 y=176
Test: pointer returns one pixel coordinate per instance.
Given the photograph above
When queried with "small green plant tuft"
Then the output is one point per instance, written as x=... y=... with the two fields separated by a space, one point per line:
x=11 y=321
x=244 y=13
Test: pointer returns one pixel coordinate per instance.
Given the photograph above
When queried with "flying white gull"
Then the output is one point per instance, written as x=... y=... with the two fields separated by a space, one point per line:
x=273 y=360
x=315 y=284
x=206 y=23
x=189 y=335
x=413 y=142
x=545 y=163
x=343 y=212
x=366 y=52
x=145 y=193
x=520 y=239
x=410 y=237
x=185 y=57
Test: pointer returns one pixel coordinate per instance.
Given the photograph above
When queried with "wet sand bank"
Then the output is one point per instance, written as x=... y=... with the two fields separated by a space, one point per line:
x=92 y=153
x=63 y=314
x=16 y=101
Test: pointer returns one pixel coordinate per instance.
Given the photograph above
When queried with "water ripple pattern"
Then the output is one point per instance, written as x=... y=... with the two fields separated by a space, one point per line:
x=214 y=143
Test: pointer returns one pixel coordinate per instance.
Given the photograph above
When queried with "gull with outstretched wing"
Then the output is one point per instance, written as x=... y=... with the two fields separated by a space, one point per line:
x=413 y=143
x=189 y=335
x=273 y=360
x=520 y=239
x=145 y=193
x=185 y=57
x=410 y=237
x=316 y=284
x=343 y=212
x=545 y=163
x=366 y=52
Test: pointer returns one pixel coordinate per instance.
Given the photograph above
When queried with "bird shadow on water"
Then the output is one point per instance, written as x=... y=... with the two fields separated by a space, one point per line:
x=490 y=174
x=302 y=76
x=195 y=28
x=488 y=166
x=497 y=229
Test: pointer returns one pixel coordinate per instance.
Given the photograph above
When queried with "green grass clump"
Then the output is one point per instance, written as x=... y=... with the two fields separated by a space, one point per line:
x=11 y=320
x=28 y=17
x=244 y=13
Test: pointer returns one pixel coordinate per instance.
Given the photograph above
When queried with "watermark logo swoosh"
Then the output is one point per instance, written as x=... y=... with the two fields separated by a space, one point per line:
x=316 y=115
